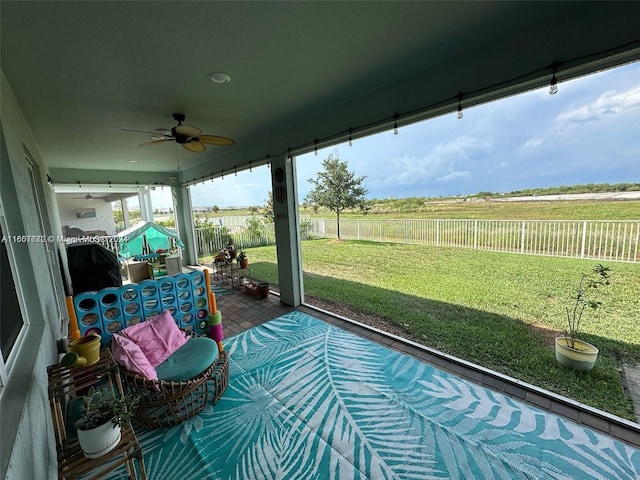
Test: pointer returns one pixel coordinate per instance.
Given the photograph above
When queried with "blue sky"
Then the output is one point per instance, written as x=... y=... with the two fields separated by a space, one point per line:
x=589 y=132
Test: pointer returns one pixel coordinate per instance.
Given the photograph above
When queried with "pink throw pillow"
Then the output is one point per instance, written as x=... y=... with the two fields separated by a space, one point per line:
x=129 y=355
x=158 y=337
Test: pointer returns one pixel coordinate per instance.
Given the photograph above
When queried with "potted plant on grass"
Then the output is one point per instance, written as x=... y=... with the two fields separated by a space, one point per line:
x=243 y=260
x=571 y=351
x=103 y=414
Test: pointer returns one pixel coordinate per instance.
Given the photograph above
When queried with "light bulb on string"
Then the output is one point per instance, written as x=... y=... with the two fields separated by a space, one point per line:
x=460 y=114
x=250 y=167
x=395 y=125
x=553 y=87
x=315 y=149
x=350 y=138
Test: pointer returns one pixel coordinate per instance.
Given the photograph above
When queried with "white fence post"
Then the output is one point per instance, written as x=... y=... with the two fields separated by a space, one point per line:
x=475 y=234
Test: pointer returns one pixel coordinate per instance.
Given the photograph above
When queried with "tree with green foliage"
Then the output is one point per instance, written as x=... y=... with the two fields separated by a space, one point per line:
x=337 y=189
x=267 y=211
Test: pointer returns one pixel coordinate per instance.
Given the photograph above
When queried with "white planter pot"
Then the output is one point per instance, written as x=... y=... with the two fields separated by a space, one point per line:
x=582 y=357
x=98 y=441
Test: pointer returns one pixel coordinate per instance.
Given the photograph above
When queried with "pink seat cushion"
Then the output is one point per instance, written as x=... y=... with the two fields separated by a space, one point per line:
x=158 y=337
x=129 y=355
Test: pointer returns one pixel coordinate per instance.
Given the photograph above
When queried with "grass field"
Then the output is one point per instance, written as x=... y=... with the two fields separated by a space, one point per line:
x=557 y=210
x=488 y=308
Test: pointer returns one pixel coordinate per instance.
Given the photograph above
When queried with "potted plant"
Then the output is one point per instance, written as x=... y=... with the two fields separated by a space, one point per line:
x=231 y=249
x=571 y=351
x=243 y=260
x=103 y=414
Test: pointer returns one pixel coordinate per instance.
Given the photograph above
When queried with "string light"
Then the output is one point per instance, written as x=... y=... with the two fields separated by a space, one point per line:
x=553 y=87
x=350 y=137
x=79 y=184
x=222 y=174
x=315 y=149
x=250 y=167
x=460 y=114
x=235 y=171
x=395 y=124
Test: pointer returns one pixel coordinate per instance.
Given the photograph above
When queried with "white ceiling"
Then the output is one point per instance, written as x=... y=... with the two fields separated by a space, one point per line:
x=301 y=71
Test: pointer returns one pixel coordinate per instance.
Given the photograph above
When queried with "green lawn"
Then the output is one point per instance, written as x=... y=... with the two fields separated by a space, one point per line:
x=481 y=306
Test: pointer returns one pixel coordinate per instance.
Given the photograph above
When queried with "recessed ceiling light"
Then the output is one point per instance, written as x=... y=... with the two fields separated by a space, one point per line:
x=218 y=77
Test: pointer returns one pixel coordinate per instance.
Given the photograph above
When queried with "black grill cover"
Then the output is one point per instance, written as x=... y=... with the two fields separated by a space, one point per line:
x=92 y=267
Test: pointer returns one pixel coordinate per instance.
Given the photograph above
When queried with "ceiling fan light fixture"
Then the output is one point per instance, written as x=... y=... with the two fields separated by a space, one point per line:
x=219 y=78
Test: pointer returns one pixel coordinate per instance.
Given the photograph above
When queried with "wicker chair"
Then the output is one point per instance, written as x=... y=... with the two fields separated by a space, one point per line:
x=166 y=403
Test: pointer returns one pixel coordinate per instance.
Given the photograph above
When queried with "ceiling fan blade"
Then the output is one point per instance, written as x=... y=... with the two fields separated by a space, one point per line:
x=196 y=147
x=215 y=140
x=188 y=130
x=151 y=142
x=143 y=131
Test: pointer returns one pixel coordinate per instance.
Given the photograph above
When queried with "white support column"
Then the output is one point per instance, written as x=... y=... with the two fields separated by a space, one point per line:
x=125 y=213
x=146 y=209
x=285 y=212
x=184 y=223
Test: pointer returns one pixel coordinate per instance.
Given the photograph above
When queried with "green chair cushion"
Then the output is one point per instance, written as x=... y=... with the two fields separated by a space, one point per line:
x=188 y=361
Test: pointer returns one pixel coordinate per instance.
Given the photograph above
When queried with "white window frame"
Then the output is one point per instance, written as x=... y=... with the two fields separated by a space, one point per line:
x=5 y=368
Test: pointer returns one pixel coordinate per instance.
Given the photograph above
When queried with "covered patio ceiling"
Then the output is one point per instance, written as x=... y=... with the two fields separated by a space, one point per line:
x=302 y=73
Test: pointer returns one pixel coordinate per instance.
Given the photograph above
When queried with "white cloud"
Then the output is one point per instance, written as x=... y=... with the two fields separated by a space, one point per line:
x=609 y=102
x=462 y=147
x=454 y=176
x=533 y=142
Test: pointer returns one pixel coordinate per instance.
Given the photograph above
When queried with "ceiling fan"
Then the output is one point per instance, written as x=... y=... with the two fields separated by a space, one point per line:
x=87 y=196
x=190 y=137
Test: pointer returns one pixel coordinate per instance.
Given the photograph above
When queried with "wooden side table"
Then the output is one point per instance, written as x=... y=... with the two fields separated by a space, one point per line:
x=67 y=384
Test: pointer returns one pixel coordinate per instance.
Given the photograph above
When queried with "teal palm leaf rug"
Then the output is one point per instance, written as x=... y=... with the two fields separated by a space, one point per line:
x=219 y=290
x=310 y=401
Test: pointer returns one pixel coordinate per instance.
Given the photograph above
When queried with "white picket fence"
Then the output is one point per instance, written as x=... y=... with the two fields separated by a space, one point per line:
x=210 y=240
x=611 y=240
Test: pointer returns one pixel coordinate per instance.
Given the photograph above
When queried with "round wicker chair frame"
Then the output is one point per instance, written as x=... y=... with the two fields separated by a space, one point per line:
x=164 y=404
